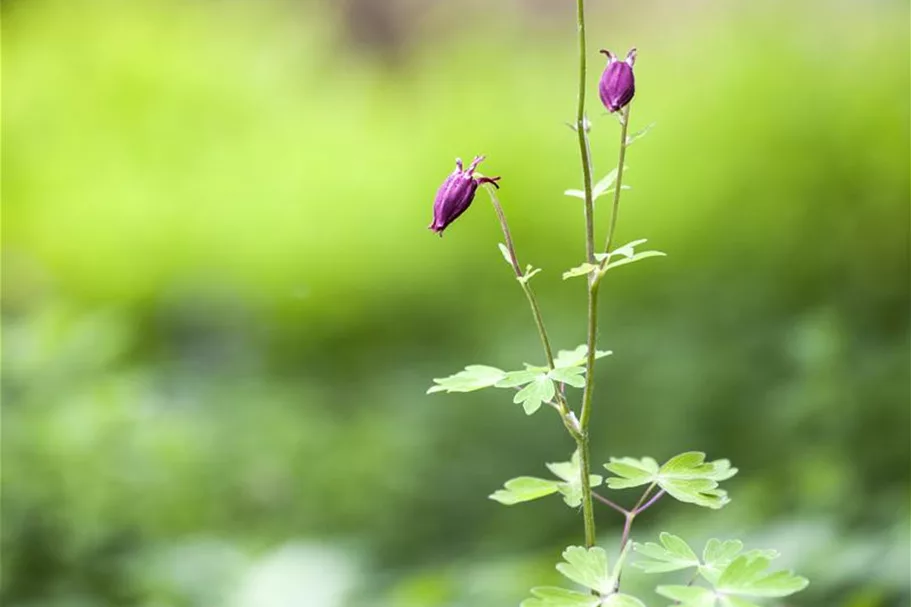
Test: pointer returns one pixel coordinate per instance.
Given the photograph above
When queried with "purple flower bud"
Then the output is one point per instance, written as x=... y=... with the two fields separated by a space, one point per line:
x=455 y=195
x=617 y=85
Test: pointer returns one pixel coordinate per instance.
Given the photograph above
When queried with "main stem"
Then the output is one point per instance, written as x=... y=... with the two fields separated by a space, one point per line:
x=582 y=441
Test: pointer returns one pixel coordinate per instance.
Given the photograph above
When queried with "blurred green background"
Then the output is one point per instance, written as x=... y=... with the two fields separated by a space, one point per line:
x=222 y=308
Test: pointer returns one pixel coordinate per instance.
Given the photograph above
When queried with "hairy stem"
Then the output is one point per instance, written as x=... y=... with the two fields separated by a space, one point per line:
x=588 y=512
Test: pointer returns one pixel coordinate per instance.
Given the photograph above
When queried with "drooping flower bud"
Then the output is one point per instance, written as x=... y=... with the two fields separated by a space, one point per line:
x=455 y=195
x=617 y=85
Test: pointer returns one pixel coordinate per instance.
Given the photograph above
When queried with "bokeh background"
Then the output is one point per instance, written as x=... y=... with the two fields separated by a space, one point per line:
x=221 y=307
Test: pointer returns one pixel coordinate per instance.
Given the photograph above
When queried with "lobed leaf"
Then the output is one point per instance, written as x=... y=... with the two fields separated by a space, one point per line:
x=514 y=379
x=747 y=575
x=524 y=489
x=539 y=390
x=622 y=600
x=474 y=377
x=587 y=567
x=576 y=357
x=673 y=554
x=571 y=474
x=686 y=477
x=574 y=376
x=631 y=472
x=689 y=596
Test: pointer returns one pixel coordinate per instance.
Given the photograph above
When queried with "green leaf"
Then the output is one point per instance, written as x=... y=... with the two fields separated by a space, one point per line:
x=686 y=477
x=571 y=474
x=701 y=492
x=505 y=251
x=736 y=601
x=748 y=576
x=576 y=358
x=631 y=472
x=551 y=596
x=575 y=194
x=622 y=600
x=514 y=379
x=604 y=184
x=587 y=567
x=722 y=470
x=582 y=270
x=627 y=254
x=627 y=250
x=474 y=377
x=689 y=478
x=631 y=139
x=719 y=554
x=673 y=554
x=633 y=259
x=716 y=556
x=524 y=489
x=538 y=391
x=529 y=274
x=574 y=376
x=690 y=596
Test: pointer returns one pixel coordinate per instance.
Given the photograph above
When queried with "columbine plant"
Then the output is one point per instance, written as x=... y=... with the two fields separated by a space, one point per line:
x=723 y=573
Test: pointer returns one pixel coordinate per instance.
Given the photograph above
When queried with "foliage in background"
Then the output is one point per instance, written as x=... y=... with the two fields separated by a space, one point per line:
x=199 y=299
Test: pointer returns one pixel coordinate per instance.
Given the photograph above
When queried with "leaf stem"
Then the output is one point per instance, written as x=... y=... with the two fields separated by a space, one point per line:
x=608 y=502
x=645 y=495
x=649 y=503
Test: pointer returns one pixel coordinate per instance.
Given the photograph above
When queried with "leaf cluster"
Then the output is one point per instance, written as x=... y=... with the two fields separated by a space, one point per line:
x=569 y=485
x=731 y=572
x=535 y=385
x=589 y=568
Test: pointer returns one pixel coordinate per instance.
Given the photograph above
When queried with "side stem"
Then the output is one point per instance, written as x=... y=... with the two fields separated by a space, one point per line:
x=618 y=185
x=568 y=419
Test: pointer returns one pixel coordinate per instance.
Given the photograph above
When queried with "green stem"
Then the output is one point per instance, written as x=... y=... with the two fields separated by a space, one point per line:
x=588 y=512
x=618 y=185
x=568 y=420
x=582 y=133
